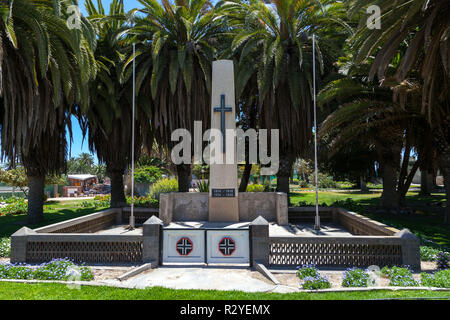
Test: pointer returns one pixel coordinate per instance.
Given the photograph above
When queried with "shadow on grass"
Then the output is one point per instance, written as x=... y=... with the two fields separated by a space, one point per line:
x=426 y=222
x=10 y=224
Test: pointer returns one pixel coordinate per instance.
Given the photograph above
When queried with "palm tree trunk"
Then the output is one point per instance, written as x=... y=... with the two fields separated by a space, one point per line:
x=117 y=189
x=283 y=175
x=425 y=181
x=390 y=197
x=444 y=162
x=446 y=173
x=363 y=184
x=443 y=148
x=36 y=199
x=245 y=177
x=184 y=177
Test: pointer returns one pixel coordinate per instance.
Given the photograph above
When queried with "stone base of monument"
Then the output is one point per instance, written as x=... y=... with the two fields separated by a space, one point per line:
x=346 y=239
x=272 y=206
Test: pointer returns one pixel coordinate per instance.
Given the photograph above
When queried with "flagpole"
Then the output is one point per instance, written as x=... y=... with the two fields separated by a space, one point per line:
x=317 y=220
x=132 y=225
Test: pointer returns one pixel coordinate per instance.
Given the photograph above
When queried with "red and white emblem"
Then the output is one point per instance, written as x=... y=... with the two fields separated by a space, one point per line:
x=227 y=246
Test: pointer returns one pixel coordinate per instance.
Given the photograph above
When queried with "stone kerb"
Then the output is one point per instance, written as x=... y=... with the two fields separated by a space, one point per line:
x=152 y=234
x=259 y=241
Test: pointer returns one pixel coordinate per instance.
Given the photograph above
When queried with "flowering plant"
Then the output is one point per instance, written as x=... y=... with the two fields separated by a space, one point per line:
x=315 y=283
x=57 y=269
x=5 y=247
x=440 y=279
x=442 y=260
x=307 y=270
x=400 y=277
x=312 y=280
x=355 y=277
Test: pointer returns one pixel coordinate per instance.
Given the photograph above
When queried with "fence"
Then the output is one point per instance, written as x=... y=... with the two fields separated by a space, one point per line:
x=84 y=248
x=357 y=251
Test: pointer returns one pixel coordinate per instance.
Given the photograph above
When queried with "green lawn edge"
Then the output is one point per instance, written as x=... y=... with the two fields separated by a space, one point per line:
x=52 y=291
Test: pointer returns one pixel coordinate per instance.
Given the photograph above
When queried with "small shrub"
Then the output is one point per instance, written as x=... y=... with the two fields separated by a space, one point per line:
x=400 y=277
x=9 y=271
x=163 y=186
x=86 y=204
x=304 y=184
x=255 y=188
x=57 y=269
x=440 y=279
x=295 y=181
x=94 y=203
x=106 y=197
x=147 y=174
x=268 y=187
x=203 y=186
x=355 y=277
x=442 y=260
x=5 y=247
x=307 y=270
x=428 y=253
x=14 y=206
x=145 y=202
x=316 y=283
x=324 y=181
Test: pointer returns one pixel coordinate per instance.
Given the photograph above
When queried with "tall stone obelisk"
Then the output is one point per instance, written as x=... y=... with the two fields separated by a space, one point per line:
x=223 y=180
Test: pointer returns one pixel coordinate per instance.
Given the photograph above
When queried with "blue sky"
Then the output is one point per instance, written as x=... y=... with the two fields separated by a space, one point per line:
x=78 y=145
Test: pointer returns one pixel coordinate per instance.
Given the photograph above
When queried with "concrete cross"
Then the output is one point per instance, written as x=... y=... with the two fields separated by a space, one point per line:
x=222 y=109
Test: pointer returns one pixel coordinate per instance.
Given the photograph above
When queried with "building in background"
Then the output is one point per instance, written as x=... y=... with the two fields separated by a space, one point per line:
x=79 y=185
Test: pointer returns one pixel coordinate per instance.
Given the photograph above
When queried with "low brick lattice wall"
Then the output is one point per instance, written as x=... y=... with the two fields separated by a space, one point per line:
x=335 y=251
x=359 y=225
x=85 y=248
x=87 y=224
x=75 y=239
x=372 y=243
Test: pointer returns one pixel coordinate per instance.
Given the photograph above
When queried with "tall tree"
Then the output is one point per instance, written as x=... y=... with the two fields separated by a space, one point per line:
x=45 y=68
x=273 y=44
x=108 y=121
x=178 y=42
x=424 y=25
x=368 y=113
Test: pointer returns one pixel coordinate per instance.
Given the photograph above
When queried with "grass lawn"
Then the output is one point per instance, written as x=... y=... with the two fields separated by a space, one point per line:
x=50 y=291
x=53 y=212
x=425 y=224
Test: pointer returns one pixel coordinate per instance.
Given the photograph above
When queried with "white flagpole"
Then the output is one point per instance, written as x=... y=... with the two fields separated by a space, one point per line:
x=317 y=221
x=132 y=225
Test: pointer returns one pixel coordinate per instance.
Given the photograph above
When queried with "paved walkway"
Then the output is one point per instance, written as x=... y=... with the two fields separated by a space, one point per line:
x=211 y=278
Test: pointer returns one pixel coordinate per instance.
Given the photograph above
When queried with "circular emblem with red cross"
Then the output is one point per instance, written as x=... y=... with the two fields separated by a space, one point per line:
x=184 y=246
x=227 y=246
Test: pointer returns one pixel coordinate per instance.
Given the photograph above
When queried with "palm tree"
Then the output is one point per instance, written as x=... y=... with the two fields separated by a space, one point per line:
x=45 y=67
x=273 y=46
x=108 y=121
x=177 y=44
x=369 y=114
x=424 y=26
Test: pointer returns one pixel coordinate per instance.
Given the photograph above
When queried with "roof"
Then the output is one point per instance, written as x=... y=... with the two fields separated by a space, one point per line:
x=81 y=176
